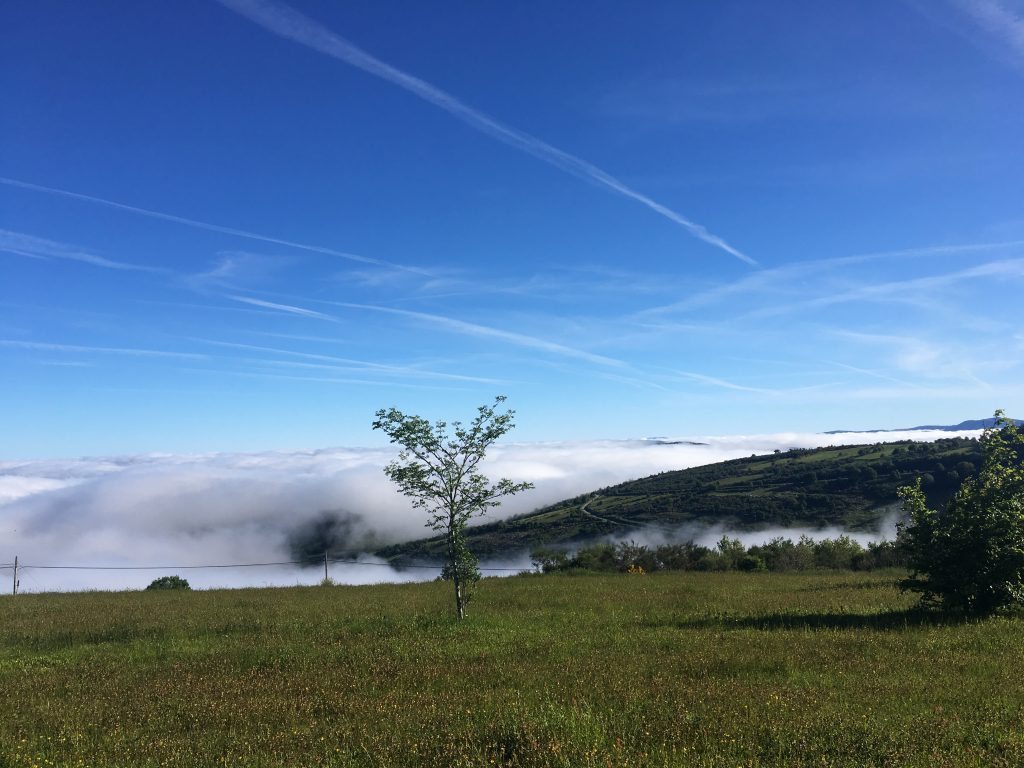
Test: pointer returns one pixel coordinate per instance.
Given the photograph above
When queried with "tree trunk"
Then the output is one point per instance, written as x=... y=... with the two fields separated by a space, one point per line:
x=453 y=565
x=460 y=606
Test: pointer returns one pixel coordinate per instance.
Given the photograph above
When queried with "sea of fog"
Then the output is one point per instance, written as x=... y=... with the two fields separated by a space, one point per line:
x=165 y=512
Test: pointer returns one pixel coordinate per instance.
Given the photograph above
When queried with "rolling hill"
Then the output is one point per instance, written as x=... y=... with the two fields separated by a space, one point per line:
x=963 y=426
x=853 y=487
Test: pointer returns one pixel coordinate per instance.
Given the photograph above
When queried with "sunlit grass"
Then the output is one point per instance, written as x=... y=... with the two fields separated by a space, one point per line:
x=671 y=669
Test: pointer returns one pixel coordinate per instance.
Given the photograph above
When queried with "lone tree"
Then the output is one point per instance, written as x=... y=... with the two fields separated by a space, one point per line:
x=970 y=557
x=437 y=469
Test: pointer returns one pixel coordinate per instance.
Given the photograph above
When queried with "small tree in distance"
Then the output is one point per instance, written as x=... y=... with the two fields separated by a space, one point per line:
x=438 y=470
x=970 y=557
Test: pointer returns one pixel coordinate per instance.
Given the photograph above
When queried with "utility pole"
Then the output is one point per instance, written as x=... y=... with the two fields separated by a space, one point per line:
x=15 y=591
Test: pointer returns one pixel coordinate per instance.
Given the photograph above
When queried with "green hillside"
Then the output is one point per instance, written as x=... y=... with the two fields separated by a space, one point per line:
x=849 y=486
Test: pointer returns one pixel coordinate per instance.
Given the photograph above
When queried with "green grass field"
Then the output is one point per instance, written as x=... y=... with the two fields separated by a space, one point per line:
x=673 y=669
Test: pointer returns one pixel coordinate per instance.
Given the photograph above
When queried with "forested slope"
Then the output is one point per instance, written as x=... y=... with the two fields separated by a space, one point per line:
x=853 y=487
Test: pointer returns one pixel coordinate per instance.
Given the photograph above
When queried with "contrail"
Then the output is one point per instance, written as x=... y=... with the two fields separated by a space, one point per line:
x=473 y=329
x=715 y=382
x=21 y=244
x=333 y=363
x=207 y=226
x=285 y=308
x=49 y=347
x=458 y=326
x=288 y=23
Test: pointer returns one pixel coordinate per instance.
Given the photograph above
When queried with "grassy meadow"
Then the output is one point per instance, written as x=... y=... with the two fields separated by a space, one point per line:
x=671 y=669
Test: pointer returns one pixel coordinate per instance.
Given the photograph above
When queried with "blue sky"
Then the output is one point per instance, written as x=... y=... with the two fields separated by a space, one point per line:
x=244 y=225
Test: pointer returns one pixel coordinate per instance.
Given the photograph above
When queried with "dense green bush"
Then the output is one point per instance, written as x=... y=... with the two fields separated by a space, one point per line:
x=970 y=556
x=779 y=554
x=169 y=582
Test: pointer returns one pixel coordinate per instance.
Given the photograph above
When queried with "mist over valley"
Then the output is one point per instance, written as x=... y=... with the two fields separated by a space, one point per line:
x=156 y=510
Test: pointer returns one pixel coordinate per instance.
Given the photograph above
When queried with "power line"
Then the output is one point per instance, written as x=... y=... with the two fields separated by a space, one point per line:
x=154 y=567
x=308 y=563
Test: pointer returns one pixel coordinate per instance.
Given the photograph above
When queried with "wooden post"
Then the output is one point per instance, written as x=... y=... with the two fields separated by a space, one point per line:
x=15 y=590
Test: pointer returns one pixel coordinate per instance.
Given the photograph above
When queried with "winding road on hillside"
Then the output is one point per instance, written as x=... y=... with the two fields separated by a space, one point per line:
x=631 y=524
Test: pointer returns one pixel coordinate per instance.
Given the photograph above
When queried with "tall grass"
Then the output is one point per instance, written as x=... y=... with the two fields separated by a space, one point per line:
x=673 y=669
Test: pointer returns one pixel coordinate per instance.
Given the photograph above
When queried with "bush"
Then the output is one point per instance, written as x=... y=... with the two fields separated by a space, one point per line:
x=781 y=554
x=168 y=582
x=548 y=559
x=599 y=557
x=750 y=563
x=970 y=557
x=838 y=553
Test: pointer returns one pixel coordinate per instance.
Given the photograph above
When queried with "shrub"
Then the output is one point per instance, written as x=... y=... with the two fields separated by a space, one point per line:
x=751 y=563
x=548 y=559
x=168 y=582
x=838 y=553
x=970 y=557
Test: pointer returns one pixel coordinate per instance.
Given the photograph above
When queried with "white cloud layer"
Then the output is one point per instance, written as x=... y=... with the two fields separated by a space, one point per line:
x=211 y=509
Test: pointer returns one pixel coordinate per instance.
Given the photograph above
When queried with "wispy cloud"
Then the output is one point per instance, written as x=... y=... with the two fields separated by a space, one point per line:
x=874 y=374
x=21 y=244
x=484 y=331
x=561 y=284
x=207 y=226
x=722 y=383
x=234 y=266
x=1004 y=26
x=938 y=250
x=288 y=23
x=347 y=381
x=50 y=347
x=448 y=323
x=287 y=308
x=784 y=278
x=926 y=358
x=332 y=362
x=392 y=370
x=916 y=291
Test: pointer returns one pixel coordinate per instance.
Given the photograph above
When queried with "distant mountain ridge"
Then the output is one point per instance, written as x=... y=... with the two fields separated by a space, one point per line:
x=963 y=426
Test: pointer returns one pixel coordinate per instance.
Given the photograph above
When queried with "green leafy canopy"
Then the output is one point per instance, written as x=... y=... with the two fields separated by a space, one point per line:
x=438 y=467
x=970 y=557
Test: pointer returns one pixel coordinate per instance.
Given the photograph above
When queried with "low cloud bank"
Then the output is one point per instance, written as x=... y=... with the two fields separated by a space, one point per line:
x=709 y=535
x=214 y=509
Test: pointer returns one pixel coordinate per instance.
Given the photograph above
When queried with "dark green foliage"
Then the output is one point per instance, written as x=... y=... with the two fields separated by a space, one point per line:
x=837 y=554
x=438 y=468
x=842 y=553
x=852 y=487
x=599 y=557
x=750 y=563
x=970 y=556
x=169 y=582
x=729 y=553
x=463 y=566
x=547 y=559
x=781 y=554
